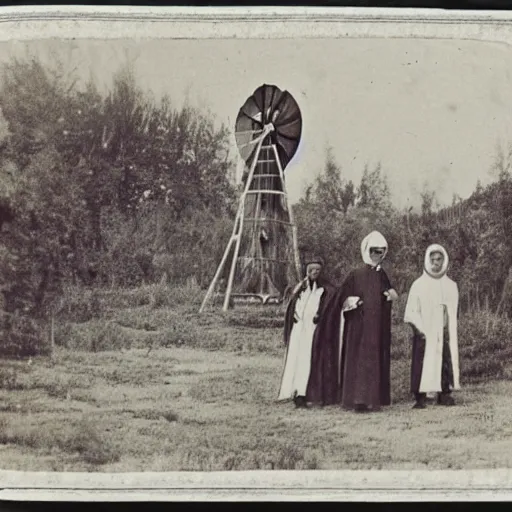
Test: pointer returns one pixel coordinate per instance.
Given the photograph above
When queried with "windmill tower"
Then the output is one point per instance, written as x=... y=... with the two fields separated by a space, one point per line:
x=262 y=251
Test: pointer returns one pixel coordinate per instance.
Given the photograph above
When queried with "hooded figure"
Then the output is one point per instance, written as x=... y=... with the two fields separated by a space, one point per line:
x=356 y=329
x=302 y=315
x=431 y=311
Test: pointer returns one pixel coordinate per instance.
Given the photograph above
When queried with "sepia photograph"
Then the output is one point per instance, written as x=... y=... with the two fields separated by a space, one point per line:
x=253 y=253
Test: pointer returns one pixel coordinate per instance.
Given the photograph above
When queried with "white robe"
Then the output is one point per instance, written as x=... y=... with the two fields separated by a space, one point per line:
x=297 y=365
x=424 y=309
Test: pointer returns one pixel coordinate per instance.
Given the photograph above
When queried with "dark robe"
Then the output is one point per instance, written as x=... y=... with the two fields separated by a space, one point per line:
x=318 y=372
x=363 y=375
x=323 y=379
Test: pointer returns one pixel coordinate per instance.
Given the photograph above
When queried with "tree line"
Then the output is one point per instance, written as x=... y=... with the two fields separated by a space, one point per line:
x=97 y=189
x=118 y=189
x=334 y=215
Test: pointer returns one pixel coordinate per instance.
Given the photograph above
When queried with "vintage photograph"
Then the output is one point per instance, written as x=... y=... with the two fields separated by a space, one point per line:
x=234 y=254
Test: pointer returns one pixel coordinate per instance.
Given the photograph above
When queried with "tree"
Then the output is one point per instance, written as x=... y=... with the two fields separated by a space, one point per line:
x=33 y=99
x=330 y=189
x=83 y=174
x=428 y=200
x=373 y=191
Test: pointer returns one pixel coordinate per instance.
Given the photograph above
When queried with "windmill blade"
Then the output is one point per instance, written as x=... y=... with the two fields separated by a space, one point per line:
x=291 y=130
x=266 y=98
x=288 y=109
x=252 y=111
x=247 y=141
x=286 y=150
x=268 y=104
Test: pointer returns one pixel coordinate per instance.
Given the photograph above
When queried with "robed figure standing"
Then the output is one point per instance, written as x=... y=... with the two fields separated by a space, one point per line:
x=302 y=315
x=431 y=310
x=356 y=326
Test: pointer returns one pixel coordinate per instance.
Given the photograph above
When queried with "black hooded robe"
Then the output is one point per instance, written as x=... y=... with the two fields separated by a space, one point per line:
x=363 y=368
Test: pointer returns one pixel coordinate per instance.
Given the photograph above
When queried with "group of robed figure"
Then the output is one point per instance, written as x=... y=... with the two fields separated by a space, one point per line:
x=338 y=339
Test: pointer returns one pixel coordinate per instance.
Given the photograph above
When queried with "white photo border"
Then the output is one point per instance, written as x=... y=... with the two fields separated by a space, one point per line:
x=128 y=22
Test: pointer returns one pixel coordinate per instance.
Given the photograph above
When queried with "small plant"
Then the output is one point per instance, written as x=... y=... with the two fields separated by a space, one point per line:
x=79 y=304
x=9 y=379
x=21 y=336
x=91 y=445
x=287 y=457
x=163 y=295
x=484 y=340
x=95 y=336
x=170 y=416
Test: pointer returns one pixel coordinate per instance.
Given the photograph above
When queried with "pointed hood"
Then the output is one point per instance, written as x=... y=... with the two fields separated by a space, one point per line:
x=374 y=239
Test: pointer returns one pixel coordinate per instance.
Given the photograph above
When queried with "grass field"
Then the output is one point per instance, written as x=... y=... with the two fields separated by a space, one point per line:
x=149 y=385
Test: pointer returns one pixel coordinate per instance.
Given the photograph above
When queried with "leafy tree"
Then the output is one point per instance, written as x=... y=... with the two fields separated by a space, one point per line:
x=84 y=175
x=373 y=191
x=330 y=189
x=428 y=200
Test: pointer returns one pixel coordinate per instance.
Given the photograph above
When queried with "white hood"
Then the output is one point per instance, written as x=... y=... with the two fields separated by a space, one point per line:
x=374 y=239
x=428 y=266
x=429 y=295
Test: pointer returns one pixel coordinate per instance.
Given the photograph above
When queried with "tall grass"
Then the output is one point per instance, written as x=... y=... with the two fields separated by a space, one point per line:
x=83 y=439
x=164 y=315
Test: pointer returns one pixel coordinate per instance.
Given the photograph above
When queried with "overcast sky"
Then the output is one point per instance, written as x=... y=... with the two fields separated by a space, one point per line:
x=426 y=109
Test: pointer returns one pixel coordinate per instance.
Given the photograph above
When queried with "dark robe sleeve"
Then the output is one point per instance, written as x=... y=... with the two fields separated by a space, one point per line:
x=329 y=290
x=338 y=297
x=386 y=283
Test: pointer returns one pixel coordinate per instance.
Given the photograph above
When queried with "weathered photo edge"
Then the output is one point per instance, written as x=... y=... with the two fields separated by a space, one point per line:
x=23 y=23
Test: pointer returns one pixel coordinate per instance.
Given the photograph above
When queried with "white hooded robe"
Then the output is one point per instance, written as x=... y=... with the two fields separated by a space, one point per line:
x=428 y=297
x=297 y=366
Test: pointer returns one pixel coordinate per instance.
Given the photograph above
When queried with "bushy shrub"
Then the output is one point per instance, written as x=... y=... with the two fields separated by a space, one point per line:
x=22 y=336
x=95 y=336
x=485 y=341
x=186 y=294
x=257 y=317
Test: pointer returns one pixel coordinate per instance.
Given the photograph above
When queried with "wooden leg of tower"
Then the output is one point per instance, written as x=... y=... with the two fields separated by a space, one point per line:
x=295 y=243
x=226 y=254
x=217 y=274
x=239 y=225
x=234 y=262
x=295 y=248
x=236 y=236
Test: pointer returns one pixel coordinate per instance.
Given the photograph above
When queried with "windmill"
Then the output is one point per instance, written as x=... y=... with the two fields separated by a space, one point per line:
x=263 y=246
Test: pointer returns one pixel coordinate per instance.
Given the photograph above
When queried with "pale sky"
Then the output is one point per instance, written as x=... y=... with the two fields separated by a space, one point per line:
x=426 y=109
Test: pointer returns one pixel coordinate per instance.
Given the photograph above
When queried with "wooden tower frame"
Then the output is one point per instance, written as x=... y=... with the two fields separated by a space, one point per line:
x=238 y=227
